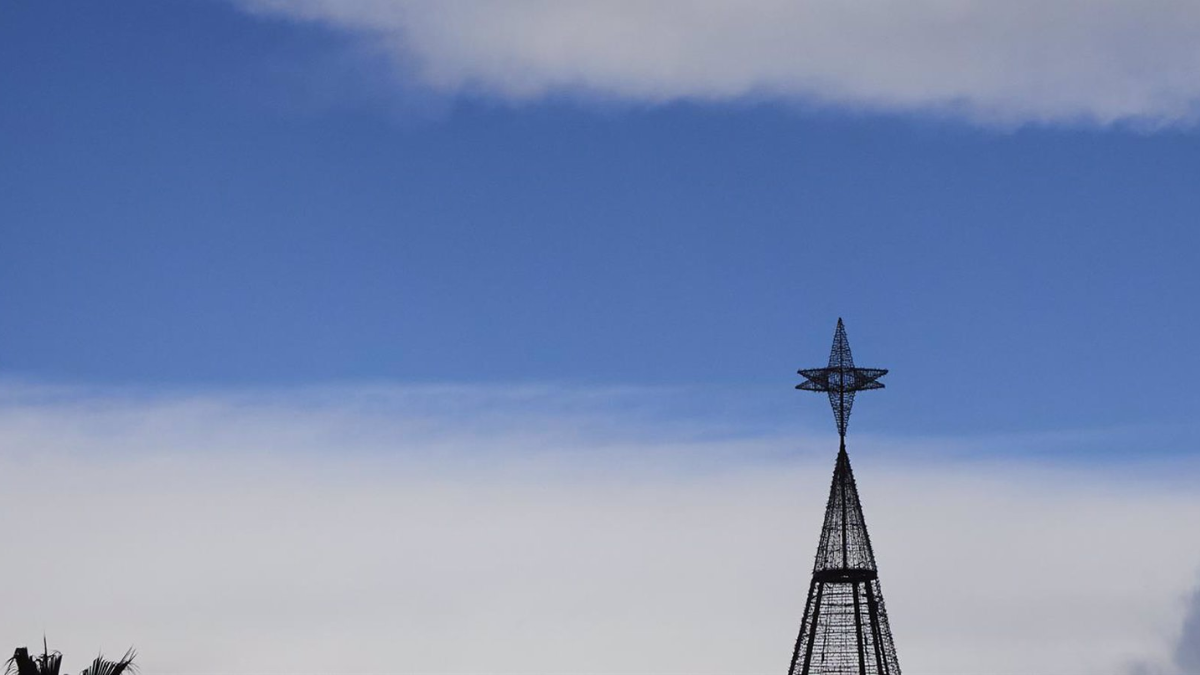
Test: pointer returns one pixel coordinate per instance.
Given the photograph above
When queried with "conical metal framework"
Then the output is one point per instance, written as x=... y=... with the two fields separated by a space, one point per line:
x=845 y=627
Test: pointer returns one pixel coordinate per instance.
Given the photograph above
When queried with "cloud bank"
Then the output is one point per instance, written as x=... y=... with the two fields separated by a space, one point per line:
x=544 y=530
x=1098 y=62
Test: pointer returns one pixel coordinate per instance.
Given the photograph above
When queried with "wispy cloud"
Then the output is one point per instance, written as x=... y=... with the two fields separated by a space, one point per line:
x=546 y=530
x=997 y=62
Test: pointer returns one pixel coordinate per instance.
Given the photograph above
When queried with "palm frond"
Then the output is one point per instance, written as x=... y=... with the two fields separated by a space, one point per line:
x=49 y=662
x=22 y=663
x=102 y=666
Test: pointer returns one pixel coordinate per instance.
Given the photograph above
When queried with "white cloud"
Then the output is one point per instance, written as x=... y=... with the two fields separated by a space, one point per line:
x=459 y=529
x=1097 y=61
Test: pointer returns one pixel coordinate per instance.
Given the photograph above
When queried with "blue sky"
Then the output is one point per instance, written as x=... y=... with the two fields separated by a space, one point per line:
x=508 y=299
x=194 y=195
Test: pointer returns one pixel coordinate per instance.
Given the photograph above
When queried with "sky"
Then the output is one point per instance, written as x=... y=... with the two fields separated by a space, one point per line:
x=524 y=285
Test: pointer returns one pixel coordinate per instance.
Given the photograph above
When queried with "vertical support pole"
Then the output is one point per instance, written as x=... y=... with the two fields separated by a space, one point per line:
x=876 y=633
x=858 y=629
x=842 y=489
x=812 y=633
x=808 y=607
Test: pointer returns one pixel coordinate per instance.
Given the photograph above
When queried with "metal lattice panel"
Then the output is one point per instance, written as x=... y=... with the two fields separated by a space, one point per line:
x=845 y=544
x=845 y=631
x=845 y=628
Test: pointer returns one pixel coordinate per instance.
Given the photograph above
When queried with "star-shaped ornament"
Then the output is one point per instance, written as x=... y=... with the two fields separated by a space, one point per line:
x=841 y=379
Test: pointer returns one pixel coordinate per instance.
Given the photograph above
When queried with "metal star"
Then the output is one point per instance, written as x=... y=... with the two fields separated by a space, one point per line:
x=841 y=379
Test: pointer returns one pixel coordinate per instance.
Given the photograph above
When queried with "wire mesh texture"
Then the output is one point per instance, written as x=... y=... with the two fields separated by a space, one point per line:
x=844 y=629
x=840 y=379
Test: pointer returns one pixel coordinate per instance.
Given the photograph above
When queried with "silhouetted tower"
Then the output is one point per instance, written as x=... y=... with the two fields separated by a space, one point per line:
x=845 y=627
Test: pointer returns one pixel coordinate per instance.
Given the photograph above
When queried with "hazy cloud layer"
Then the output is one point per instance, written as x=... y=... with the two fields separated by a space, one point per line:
x=1187 y=649
x=454 y=530
x=999 y=62
x=1184 y=658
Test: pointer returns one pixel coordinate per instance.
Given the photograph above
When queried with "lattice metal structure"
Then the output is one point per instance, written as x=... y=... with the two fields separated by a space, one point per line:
x=841 y=379
x=845 y=627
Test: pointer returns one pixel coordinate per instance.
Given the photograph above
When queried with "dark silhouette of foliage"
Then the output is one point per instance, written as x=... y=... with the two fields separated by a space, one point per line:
x=102 y=666
x=49 y=663
x=22 y=663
